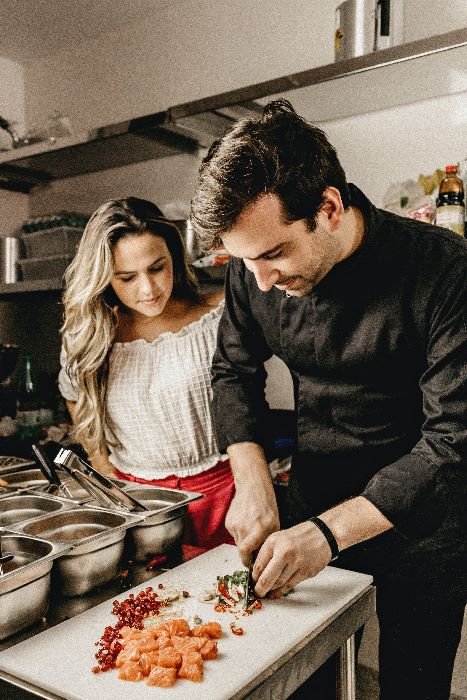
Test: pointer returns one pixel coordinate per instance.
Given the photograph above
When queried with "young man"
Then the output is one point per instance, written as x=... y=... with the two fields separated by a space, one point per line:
x=368 y=311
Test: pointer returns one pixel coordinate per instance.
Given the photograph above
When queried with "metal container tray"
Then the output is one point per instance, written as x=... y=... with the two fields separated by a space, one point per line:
x=10 y=464
x=25 y=583
x=28 y=505
x=96 y=537
x=34 y=480
x=162 y=525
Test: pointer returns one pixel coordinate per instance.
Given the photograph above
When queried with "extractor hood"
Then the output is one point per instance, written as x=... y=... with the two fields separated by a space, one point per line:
x=136 y=140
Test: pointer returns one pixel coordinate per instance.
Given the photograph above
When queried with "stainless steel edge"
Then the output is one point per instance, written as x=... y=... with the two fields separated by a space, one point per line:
x=58 y=549
x=320 y=74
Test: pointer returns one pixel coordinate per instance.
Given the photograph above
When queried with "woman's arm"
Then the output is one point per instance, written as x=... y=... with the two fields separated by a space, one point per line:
x=100 y=461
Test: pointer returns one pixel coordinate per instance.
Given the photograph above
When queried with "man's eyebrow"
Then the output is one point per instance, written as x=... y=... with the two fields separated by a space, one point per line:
x=131 y=272
x=267 y=252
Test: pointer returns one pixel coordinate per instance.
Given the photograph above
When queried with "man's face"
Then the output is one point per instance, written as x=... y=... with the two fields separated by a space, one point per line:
x=284 y=255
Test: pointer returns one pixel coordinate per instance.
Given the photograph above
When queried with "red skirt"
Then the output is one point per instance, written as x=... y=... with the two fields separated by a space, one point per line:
x=204 y=521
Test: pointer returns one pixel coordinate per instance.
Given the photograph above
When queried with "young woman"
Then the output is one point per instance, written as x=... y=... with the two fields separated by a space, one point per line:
x=138 y=338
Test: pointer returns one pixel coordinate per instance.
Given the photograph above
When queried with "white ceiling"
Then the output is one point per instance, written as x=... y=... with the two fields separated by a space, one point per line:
x=33 y=28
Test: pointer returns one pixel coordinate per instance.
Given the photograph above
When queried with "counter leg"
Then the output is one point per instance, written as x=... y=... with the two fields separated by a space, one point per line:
x=346 y=670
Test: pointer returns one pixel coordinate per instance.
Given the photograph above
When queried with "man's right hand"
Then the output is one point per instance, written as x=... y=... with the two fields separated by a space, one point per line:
x=253 y=513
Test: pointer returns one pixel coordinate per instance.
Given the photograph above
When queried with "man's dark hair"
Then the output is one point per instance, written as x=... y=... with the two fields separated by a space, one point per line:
x=279 y=153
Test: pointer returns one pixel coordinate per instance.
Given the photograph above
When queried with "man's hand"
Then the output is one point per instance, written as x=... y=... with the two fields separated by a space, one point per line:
x=288 y=557
x=253 y=513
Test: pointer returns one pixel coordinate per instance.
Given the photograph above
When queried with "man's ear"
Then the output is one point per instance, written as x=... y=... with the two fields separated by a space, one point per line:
x=332 y=207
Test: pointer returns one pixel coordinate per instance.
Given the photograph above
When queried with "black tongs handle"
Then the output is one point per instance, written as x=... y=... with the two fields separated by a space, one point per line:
x=46 y=465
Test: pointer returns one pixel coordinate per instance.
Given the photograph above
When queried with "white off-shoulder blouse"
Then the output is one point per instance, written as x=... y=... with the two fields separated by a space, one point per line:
x=158 y=402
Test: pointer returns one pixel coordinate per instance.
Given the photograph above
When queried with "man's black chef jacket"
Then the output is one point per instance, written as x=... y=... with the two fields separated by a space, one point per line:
x=378 y=356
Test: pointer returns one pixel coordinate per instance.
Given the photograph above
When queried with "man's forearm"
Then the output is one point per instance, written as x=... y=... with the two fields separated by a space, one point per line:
x=354 y=521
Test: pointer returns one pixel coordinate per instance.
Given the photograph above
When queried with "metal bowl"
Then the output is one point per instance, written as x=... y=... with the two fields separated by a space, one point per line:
x=25 y=582
x=162 y=526
x=26 y=506
x=97 y=539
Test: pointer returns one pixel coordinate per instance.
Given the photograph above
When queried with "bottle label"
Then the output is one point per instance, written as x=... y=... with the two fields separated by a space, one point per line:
x=451 y=217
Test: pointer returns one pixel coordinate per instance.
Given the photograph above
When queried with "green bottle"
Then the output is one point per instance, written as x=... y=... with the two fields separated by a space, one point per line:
x=28 y=404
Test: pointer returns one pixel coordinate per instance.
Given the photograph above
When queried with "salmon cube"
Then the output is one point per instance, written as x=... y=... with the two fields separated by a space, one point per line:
x=130 y=672
x=162 y=677
x=147 y=661
x=213 y=630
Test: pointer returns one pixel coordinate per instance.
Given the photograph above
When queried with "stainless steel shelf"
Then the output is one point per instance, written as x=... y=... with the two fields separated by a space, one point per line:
x=186 y=127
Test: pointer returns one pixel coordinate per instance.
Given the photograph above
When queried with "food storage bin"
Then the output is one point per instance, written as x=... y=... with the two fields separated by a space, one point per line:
x=61 y=240
x=25 y=582
x=96 y=537
x=51 y=267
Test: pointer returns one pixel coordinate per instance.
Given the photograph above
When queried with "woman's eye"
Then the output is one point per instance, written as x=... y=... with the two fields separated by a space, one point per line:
x=159 y=268
x=126 y=279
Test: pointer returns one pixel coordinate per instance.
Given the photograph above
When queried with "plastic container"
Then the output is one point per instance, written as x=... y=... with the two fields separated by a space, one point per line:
x=53 y=241
x=48 y=268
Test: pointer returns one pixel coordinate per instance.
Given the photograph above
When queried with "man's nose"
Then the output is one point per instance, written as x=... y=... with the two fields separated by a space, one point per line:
x=264 y=273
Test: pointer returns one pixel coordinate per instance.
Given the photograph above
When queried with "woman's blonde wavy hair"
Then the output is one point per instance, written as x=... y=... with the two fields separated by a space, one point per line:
x=91 y=305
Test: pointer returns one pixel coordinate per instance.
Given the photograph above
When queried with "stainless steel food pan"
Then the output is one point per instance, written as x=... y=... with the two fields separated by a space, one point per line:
x=25 y=478
x=26 y=506
x=25 y=583
x=162 y=526
x=96 y=537
x=34 y=479
x=10 y=464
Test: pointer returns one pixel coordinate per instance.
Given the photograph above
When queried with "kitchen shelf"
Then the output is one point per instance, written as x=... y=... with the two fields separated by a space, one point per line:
x=186 y=127
x=133 y=141
x=30 y=286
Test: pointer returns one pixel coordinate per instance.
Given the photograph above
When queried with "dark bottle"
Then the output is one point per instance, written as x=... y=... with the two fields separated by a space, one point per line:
x=450 y=208
x=28 y=405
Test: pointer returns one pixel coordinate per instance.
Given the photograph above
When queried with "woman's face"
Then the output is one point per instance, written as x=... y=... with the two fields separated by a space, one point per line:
x=143 y=273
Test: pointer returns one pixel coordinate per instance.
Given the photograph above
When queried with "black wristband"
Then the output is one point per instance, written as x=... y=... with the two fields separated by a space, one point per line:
x=328 y=535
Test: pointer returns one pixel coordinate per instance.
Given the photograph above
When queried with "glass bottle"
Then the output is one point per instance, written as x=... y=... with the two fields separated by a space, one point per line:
x=28 y=404
x=450 y=208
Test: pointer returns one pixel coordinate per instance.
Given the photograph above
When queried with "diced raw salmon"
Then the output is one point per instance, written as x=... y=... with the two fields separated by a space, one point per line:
x=191 y=671
x=162 y=677
x=130 y=652
x=147 y=661
x=169 y=658
x=177 y=626
x=131 y=672
x=213 y=630
x=165 y=642
x=152 y=645
x=130 y=637
x=209 y=649
x=186 y=644
x=192 y=657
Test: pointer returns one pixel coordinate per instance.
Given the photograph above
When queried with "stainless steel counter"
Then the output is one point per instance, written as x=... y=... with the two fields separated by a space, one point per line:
x=278 y=679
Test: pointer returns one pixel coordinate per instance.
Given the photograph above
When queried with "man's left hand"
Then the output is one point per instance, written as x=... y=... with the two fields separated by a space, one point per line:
x=288 y=557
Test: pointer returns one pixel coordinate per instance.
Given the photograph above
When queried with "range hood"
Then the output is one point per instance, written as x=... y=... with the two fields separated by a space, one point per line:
x=187 y=127
x=133 y=141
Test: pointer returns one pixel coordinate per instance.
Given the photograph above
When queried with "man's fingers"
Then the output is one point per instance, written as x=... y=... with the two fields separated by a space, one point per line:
x=286 y=587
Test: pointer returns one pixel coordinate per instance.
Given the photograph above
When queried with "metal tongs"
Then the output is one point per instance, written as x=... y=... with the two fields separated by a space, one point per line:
x=57 y=486
x=96 y=484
